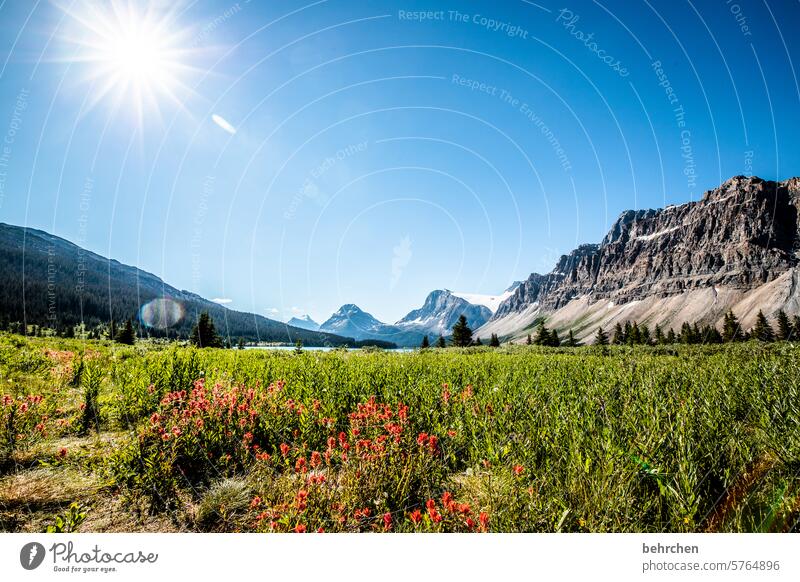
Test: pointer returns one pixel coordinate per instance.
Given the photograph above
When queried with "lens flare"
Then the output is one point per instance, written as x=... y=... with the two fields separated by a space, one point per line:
x=161 y=313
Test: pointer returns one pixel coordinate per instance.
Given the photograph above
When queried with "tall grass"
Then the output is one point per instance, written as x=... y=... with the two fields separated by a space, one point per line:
x=687 y=438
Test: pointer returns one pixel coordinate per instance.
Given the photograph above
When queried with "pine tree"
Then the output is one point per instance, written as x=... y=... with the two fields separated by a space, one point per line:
x=796 y=328
x=731 y=330
x=204 y=334
x=477 y=342
x=762 y=330
x=462 y=334
x=644 y=335
x=240 y=343
x=784 y=326
x=660 y=339
x=555 y=341
x=126 y=335
x=425 y=343
x=494 y=341
x=440 y=343
x=619 y=335
x=600 y=339
x=529 y=340
x=298 y=346
x=671 y=339
x=687 y=334
x=542 y=336
x=632 y=334
x=571 y=341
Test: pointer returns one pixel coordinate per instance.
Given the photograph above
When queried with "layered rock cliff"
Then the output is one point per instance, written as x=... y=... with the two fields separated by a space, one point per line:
x=739 y=238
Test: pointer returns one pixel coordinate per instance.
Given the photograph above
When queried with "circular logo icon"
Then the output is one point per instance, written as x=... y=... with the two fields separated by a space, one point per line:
x=31 y=555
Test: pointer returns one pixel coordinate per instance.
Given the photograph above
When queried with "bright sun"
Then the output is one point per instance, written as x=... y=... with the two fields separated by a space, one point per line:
x=133 y=52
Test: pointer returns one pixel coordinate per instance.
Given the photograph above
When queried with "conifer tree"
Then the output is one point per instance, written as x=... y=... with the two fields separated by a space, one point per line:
x=784 y=326
x=660 y=339
x=687 y=333
x=671 y=339
x=425 y=342
x=796 y=328
x=542 y=336
x=477 y=342
x=554 y=340
x=731 y=328
x=529 y=341
x=619 y=335
x=440 y=343
x=644 y=335
x=571 y=341
x=494 y=341
x=126 y=335
x=762 y=330
x=462 y=334
x=600 y=339
x=204 y=334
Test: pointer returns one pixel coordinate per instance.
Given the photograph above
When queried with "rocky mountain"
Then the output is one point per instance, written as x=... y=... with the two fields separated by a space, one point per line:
x=352 y=319
x=441 y=310
x=304 y=322
x=49 y=281
x=738 y=248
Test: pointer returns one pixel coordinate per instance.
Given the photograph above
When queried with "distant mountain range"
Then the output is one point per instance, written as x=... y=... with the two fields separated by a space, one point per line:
x=736 y=249
x=441 y=310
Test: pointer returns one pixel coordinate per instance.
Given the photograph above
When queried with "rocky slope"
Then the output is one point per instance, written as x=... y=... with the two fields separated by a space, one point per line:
x=440 y=311
x=737 y=248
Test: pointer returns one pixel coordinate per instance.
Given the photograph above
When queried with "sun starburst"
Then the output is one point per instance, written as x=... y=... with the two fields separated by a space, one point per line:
x=134 y=52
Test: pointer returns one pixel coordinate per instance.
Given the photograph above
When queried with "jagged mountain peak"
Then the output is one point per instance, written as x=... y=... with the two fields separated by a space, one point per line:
x=685 y=262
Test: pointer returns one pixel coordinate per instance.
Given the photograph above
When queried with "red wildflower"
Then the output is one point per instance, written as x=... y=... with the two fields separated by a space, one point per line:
x=316 y=459
x=255 y=502
x=301 y=500
x=433 y=443
x=284 y=449
x=470 y=523
x=447 y=500
x=416 y=516
x=387 y=520
x=62 y=453
x=519 y=470
x=300 y=465
x=483 y=518
x=299 y=528
x=422 y=439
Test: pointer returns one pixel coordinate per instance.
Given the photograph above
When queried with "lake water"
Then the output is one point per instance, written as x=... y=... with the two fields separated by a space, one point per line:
x=319 y=348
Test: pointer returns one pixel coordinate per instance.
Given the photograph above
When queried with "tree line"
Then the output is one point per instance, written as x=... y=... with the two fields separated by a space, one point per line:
x=634 y=334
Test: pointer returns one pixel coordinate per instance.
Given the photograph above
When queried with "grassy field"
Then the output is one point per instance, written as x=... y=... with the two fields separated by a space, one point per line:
x=98 y=437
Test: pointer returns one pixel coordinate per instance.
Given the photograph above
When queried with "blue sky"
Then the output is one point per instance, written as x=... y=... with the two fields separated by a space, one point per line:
x=377 y=155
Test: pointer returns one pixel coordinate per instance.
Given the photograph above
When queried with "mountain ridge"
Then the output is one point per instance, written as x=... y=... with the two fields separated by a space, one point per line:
x=734 y=248
x=50 y=281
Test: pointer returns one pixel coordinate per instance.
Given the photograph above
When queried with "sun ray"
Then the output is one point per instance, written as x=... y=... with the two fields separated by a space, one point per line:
x=132 y=51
